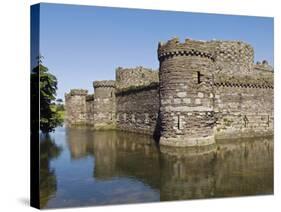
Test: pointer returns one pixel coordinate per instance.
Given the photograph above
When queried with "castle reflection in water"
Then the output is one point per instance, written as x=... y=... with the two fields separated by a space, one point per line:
x=231 y=168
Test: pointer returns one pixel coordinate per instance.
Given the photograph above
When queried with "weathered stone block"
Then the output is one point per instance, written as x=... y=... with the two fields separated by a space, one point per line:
x=197 y=101
x=181 y=94
x=200 y=94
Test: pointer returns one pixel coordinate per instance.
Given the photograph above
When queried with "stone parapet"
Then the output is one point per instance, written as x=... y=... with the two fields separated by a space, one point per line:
x=135 y=89
x=263 y=66
x=230 y=56
x=104 y=83
x=134 y=77
x=78 y=92
x=173 y=47
x=243 y=81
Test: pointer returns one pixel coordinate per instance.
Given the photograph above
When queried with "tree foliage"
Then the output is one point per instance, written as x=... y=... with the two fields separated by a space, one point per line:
x=49 y=115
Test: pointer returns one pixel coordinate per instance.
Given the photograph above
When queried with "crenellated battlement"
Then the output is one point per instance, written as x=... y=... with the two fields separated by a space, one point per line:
x=137 y=68
x=229 y=56
x=233 y=48
x=263 y=66
x=190 y=47
x=104 y=83
x=78 y=92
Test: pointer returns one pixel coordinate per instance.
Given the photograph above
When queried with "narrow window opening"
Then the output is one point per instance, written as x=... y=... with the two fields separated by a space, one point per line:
x=246 y=121
x=179 y=122
x=199 y=75
x=268 y=120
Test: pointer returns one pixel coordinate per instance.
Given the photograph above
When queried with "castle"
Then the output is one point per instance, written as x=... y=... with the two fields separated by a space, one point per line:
x=203 y=91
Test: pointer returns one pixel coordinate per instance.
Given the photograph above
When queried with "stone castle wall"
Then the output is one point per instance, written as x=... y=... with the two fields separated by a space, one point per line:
x=243 y=108
x=132 y=77
x=204 y=90
x=137 y=109
x=90 y=109
x=137 y=99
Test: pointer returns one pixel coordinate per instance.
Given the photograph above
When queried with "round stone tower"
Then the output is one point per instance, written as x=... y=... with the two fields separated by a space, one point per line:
x=104 y=103
x=186 y=93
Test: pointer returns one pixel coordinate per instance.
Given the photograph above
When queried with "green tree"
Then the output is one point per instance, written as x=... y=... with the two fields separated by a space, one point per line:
x=49 y=116
x=60 y=105
x=59 y=101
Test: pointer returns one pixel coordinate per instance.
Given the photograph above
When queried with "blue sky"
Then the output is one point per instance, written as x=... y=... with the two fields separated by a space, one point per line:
x=81 y=44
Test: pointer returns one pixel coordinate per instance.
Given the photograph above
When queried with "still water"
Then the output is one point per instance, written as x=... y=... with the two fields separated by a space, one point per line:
x=80 y=167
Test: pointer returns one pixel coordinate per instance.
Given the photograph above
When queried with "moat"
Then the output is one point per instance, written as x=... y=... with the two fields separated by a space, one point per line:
x=82 y=167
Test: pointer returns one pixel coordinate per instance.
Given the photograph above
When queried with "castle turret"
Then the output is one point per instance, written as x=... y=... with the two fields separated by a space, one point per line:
x=75 y=107
x=186 y=93
x=104 y=103
x=232 y=57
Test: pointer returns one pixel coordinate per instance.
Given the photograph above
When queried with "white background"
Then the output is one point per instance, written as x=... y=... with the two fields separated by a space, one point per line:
x=14 y=102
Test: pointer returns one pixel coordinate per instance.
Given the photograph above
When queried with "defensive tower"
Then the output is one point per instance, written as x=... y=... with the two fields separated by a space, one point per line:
x=186 y=93
x=104 y=103
x=75 y=107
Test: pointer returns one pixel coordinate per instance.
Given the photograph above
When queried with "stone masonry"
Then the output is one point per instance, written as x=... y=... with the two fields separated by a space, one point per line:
x=203 y=91
x=104 y=104
x=75 y=107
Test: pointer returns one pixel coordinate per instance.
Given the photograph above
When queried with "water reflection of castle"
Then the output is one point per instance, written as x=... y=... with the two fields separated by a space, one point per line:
x=233 y=169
